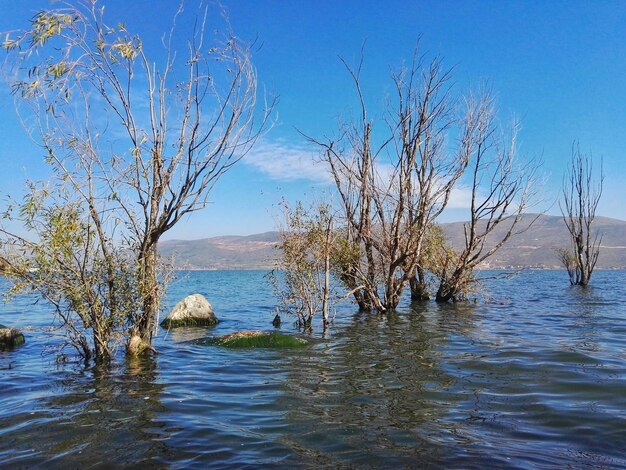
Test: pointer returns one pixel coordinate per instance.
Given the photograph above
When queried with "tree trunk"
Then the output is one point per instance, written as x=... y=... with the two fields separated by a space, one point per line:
x=443 y=295
x=448 y=289
x=419 y=290
x=326 y=294
x=149 y=286
x=363 y=300
x=101 y=346
x=361 y=297
x=392 y=294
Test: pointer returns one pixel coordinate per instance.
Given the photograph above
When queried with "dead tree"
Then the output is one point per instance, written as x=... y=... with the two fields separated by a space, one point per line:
x=390 y=193
x=501 y=192
x=581 y=196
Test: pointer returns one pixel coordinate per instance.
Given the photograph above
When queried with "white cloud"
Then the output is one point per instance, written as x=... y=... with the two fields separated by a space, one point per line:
x=460 y=198
x=287 y=163
x=283 y=162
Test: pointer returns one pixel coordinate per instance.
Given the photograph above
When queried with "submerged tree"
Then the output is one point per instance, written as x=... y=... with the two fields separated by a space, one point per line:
x=135 y=144
x=433 y=257
x=501 y=191
x=307 y=244
x=570 y=263
x=69 y=267
x=581 y=196
x=391 y=193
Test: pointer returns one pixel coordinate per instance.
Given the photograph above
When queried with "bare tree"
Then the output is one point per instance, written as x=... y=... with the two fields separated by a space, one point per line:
x=581 y=196
x=391 y=193
x=570 y=263
x=141 y=144
x=501 y=192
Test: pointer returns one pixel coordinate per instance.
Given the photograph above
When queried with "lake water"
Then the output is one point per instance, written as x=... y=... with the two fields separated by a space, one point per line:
x=535 y=380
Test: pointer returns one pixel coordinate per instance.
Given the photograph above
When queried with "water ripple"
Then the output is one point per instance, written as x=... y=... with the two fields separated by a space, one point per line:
x=535 y=380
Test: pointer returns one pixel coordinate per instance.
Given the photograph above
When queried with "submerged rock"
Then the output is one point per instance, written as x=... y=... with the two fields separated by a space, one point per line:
x=260 y=339
x=10 y=337
x=137 y=346
x=193 y=310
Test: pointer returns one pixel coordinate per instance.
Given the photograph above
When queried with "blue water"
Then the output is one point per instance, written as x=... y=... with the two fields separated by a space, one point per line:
x=533 y=378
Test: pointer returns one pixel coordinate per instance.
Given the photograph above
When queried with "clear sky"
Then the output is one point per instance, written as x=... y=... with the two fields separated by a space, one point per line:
x=558 y=66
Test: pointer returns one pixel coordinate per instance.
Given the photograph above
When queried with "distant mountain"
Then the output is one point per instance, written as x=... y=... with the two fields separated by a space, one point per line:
x=227 y=252
x=534 y=248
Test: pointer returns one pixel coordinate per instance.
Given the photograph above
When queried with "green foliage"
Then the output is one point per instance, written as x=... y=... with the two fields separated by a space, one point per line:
x=444 y=265
x=303 y=286
x=345 y=256
x=74 y=61
x=133 y=170
x=91 y=284
x=46 y=25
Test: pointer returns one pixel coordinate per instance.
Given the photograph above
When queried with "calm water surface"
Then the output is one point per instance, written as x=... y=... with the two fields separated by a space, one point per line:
x=536 y=380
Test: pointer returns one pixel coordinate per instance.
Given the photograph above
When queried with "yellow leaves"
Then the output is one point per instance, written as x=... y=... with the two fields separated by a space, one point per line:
x=47 y=25
x=31 y=89
x=9 y=44
x=57 y=70
x=66 y=229
x=127 y=50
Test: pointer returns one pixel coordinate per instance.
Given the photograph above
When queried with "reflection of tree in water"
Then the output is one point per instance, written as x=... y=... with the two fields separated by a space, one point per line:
x=587 y=319
x=374 y=392
x=101 y=417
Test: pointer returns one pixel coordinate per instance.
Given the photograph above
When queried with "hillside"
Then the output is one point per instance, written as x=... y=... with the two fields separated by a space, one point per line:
x=534 y=248
x=227 y=252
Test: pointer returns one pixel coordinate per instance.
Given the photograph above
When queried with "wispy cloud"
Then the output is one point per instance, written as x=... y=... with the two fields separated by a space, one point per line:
x=284 y=162
x=460 y=198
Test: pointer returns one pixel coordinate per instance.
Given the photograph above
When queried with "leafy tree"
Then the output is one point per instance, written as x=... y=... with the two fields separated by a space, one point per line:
x=135 y=143
x=307 y=243
x=434 y=257
x=92 y=285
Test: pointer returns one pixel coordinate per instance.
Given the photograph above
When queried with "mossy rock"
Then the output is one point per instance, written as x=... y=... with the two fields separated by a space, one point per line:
x=260 y=339
x=193 y=310
x=171 y=323
x=10 y=338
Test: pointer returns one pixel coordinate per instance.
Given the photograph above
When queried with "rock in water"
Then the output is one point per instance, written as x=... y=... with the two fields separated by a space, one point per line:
x=276 y=321
x=137 y=346
x=10 y=337
x=260 y=339
x=193 y=310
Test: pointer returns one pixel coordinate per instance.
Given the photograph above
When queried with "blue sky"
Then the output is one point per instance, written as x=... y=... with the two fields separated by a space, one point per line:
x=559 y=67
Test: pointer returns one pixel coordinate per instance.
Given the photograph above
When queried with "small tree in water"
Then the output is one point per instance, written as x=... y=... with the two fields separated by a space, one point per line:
x=581 y=196
x=134 y=146
x=306 y=244
x=91 y=284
